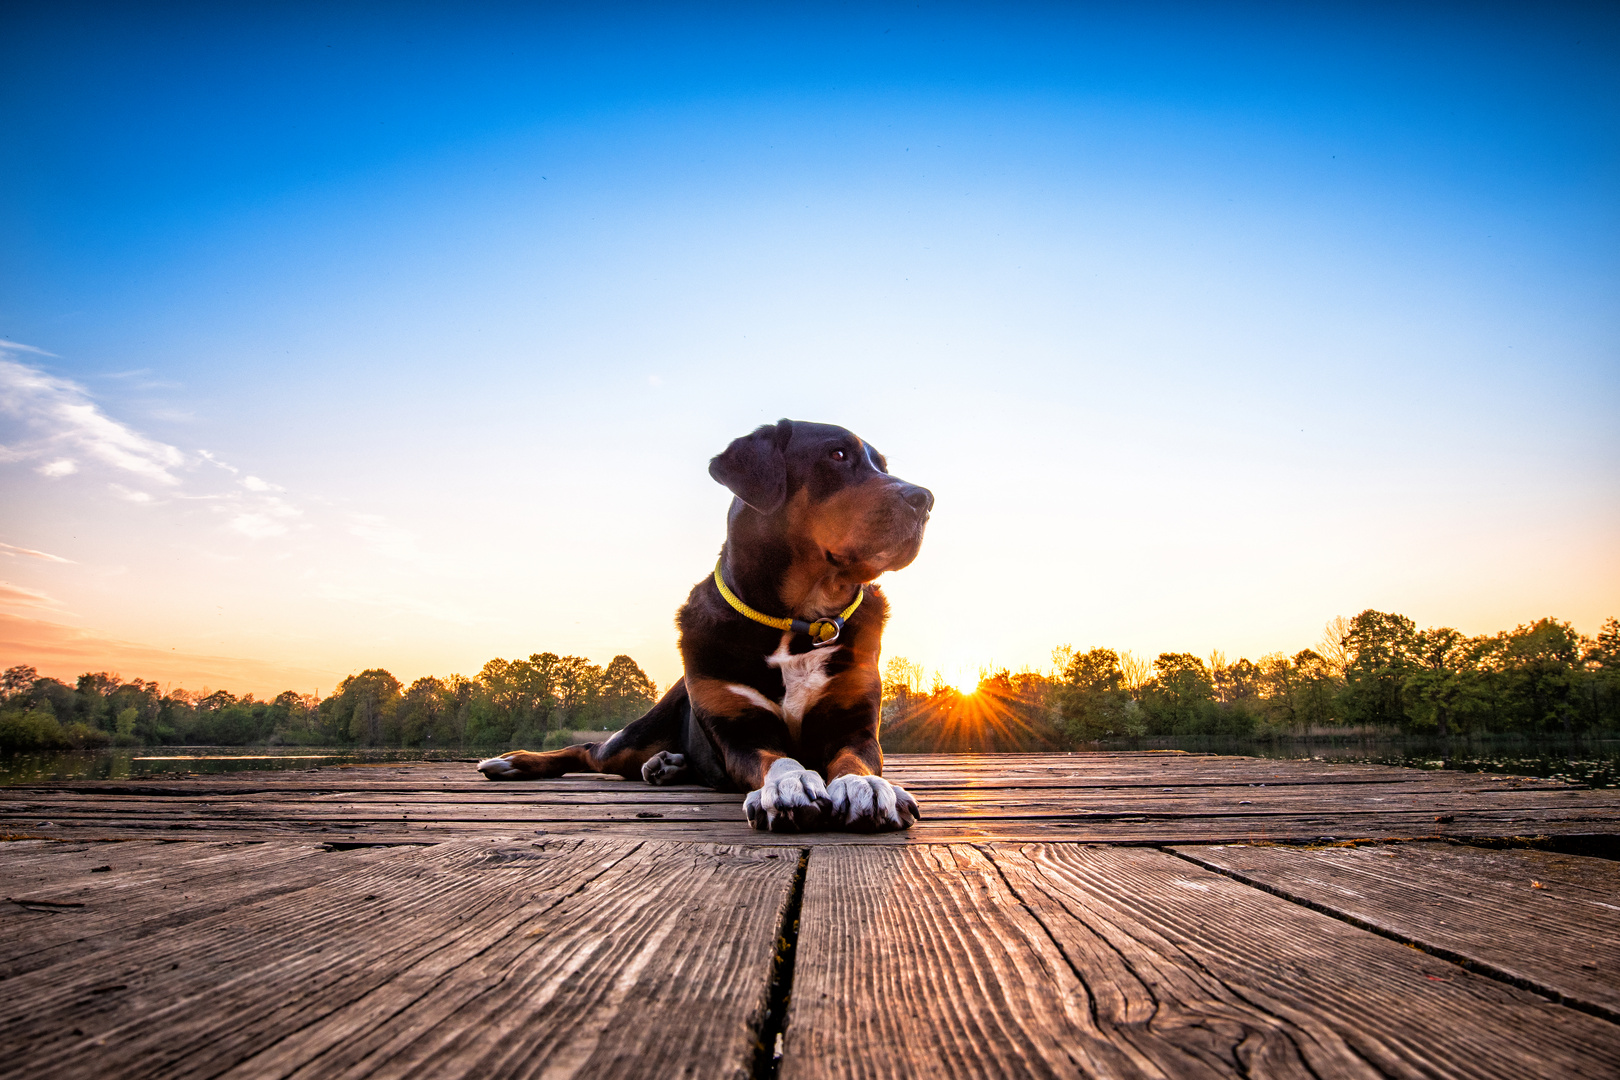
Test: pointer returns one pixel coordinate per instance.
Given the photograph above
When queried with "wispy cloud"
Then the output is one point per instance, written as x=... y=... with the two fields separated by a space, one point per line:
x=17 y=346
x=265 y=516
x=57 y=420
x=129 y=494
x=29 y=553
x=60 y=434
x=208 y=456
x=17 y=596
x=62 y=431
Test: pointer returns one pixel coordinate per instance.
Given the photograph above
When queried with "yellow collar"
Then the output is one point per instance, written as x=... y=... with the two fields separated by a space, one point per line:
x=821 y=631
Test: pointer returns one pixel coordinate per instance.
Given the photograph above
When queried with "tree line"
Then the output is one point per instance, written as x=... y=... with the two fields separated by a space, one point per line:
x=1375 y=671
x=509 y=702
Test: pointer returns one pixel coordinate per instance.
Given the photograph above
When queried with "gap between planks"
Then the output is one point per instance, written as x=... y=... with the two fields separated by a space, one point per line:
x=1548 y=960
x=1058 y=960
x=641 y=959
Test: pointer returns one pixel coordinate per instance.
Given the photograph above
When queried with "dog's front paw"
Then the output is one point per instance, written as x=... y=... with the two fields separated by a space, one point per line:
x=500 y=768
x=664 y=768
x=871 y=804
x=792 y=799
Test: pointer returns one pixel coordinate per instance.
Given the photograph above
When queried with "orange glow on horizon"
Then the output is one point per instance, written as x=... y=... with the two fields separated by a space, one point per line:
x=978 y=718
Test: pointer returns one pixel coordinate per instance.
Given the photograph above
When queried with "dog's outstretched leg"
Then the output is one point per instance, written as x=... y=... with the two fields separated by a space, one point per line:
x=657 y=732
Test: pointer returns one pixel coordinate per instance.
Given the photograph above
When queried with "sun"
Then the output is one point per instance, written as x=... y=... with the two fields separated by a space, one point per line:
x=967 y=685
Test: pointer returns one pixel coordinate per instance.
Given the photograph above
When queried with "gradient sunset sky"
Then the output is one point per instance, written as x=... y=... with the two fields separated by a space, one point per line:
x=400 y=335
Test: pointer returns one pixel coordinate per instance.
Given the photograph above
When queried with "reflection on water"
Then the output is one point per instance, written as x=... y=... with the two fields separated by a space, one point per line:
x=136 y=762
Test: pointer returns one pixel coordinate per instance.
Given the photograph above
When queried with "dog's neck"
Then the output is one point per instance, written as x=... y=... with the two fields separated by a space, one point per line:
x=771 y=575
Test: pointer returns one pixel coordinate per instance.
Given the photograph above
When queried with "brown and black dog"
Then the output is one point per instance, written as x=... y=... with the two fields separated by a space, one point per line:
x=769 y=710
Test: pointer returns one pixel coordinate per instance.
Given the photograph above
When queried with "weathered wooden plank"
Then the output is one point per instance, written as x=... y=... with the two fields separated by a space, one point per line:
x=1347 y=995
x=1367 y=796
x=1546 y=920
x=1303 y=773
x=1222 y=799
x=102 y=898
x=190 y=1002
x=1371 y=799
x=659 y=968
x=69 y=811
x=927 y=771
x=1059 y=960
x=920 y=962
x=474 y=959
x=1098 y=828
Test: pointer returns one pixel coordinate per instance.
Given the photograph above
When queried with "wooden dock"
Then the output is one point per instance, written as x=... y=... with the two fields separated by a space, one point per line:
x=1107 y=915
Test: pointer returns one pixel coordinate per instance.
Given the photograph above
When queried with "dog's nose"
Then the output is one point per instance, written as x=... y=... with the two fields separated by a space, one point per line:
x=920 y=498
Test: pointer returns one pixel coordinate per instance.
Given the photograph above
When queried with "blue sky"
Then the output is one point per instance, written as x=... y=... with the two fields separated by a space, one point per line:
x=1206 y=323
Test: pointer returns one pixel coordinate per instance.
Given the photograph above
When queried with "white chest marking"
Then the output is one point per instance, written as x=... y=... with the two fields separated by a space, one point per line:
x=804 y=677
x=754 y=697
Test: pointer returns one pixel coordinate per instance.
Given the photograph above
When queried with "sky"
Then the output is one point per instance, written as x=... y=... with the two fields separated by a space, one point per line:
x=353 y=335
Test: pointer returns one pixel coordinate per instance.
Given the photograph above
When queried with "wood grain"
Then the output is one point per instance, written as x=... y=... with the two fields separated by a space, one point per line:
x=1546 y=920
x=597 y=958
x=102 y=898
x=1349 y=1000
x=1118 y=798
x=413 y=920
x=1065 y=960
x=920 y=962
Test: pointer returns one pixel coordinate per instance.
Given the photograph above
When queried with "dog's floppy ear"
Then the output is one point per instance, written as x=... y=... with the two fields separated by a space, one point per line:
x=754 y=468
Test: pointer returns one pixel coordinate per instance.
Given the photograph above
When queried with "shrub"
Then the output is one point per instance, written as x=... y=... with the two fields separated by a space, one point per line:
x=31 y=730
x=81 y=736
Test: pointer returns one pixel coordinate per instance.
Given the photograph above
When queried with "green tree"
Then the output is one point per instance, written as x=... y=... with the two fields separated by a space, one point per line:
x=576 y=682
x=1090 y=701
x=17 y=681
x=626 y=691
x=1382 y=655
x=94 y=690
x=1318 y=680
x=366 y=705
x=298 y=718
x=1542 y=662
x=1178 y=698
x=1442 y=680
x=1601 y=662
x=424 y=712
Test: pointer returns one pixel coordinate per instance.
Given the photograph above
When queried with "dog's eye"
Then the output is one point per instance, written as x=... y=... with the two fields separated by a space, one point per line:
x=837 y=455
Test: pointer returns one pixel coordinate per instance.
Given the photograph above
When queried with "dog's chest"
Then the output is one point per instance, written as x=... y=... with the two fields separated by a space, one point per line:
x=804 y=679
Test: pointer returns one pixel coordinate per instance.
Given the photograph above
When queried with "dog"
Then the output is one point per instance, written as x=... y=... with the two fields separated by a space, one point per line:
x=781 y=693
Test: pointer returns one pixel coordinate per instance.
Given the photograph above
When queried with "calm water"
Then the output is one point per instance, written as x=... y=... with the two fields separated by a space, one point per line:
x=1595 y=762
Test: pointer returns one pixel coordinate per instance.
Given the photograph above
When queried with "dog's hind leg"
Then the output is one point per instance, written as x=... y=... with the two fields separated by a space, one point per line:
x=655 y=735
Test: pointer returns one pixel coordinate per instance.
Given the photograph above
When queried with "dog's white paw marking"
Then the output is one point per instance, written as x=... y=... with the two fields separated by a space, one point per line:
x=871 y=804
x=497 y=768
x=792 y=799
x=663 y=768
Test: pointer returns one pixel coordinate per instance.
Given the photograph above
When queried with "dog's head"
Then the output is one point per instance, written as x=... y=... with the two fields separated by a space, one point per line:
x=826 y=495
